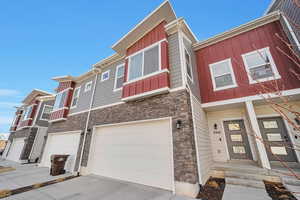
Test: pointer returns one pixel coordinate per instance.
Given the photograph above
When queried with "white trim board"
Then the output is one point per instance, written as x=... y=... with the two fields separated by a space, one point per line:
x=248 y=98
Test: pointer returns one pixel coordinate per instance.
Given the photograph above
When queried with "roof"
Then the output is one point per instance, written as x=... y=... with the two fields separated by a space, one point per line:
x=164 y=12
x=274 y=16
x=107 y=61
x=271 y=6
x=76 y=78
x=181 y=24
x=33 y=94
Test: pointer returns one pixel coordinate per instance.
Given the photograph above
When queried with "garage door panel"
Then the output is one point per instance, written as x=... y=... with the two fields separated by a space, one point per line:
x=140 y=153
x=62 y=144
x=16 y=149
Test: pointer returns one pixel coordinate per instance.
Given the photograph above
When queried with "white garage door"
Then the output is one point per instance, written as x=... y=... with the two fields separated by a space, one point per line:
x=61 y=144
x=16 y=149
x=139 y=152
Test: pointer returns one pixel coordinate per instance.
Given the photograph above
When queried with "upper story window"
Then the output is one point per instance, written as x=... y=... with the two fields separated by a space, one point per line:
x=88 y=86
x=60 y=100
x=119 y=79
x=222 y=75
x=28 y=112
x=46 y=112
x=105 y=76
x=75 y=97
x=260 y=66
x=188 y=64
x=144 y=62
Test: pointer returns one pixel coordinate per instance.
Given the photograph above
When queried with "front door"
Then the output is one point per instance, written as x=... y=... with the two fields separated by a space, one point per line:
x=237 y=140
x=277 y=140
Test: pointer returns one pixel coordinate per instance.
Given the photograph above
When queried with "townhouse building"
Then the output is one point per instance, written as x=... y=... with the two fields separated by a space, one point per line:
x=165 y=108
x=29 y=128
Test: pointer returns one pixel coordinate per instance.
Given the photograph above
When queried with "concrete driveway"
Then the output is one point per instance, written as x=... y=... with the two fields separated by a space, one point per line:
x=96 y=188
x=24 y=175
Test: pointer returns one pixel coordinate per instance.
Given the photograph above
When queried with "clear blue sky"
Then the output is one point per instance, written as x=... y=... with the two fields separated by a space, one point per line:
x=40 y=39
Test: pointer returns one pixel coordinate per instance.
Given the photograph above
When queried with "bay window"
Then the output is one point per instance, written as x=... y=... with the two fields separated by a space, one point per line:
x=28 y=112
x=60 y=100
x=144 y=63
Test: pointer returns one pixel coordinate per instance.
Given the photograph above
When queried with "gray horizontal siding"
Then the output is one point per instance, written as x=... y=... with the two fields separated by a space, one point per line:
x=104 y=93
x=174 y=61
x=194 y=84
x=84 y=97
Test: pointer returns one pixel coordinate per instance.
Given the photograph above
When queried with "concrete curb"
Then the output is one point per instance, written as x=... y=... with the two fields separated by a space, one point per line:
x=6 y=193
x=6 y=169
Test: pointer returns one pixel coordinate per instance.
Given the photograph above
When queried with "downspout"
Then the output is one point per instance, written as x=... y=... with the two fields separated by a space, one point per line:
x=291 y=31
x=96 y=71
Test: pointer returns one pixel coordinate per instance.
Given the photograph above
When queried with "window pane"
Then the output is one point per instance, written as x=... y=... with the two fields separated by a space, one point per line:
x=46 y=113
x=62 y=101
x=279 y=150
x=188 y=64
x=151 y=60
x=256 y=59
x=239 y=149
x=119 y=83
x=236 y=138
x=224 y=80
x=221 y=69
x=135 y=68
x=270 y=124
x=274 y=137
x=261 y=72
x=57 y=101
x=234 y=127
x=120 y=72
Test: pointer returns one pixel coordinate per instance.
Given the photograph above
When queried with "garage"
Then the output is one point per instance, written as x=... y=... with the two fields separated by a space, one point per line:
x=16 y=149
x=139 y=152
x=61 y=143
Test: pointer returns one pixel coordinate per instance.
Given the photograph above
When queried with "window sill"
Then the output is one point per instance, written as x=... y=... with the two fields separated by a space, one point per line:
x=147 y=94
x=276 y=77
x=147 y=76
x=225 y=88
x=57 y=120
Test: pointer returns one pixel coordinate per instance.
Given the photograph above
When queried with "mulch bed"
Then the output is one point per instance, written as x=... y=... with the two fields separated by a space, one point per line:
x=213 y=189
x=278 y=192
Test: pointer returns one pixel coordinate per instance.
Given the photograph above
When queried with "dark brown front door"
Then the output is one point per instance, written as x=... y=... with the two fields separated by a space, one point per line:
x=237 y=140
x=277 y=140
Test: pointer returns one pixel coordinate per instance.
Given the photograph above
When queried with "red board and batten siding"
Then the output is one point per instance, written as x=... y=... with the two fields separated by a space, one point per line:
x=63 y=113
x=233 y=48
x=154 y=82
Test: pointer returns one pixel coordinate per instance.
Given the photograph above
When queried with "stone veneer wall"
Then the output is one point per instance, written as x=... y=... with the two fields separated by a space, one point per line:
x=175 y=105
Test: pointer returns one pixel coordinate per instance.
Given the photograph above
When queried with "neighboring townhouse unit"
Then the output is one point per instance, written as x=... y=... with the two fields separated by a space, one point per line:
x=29 y=128
x=132 y=112
x=291 y=17
x=165 y=107
x=234 y=68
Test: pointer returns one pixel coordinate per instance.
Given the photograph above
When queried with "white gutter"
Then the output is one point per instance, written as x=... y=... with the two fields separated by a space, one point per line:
x=97 y=72
x=291 y=31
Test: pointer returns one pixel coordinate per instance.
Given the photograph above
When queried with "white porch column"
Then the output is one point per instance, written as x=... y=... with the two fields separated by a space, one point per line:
x=255 y=128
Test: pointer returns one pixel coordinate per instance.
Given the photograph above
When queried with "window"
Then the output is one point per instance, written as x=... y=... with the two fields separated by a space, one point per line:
x=88 y=86
x=27 y=113
x=105 y=76
x=119 y=79
x=188 y=64
x=46 y=112
x=222 y=75
x=144 y=63
x=260 y=66
x=75 y=97
x=60 y=100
